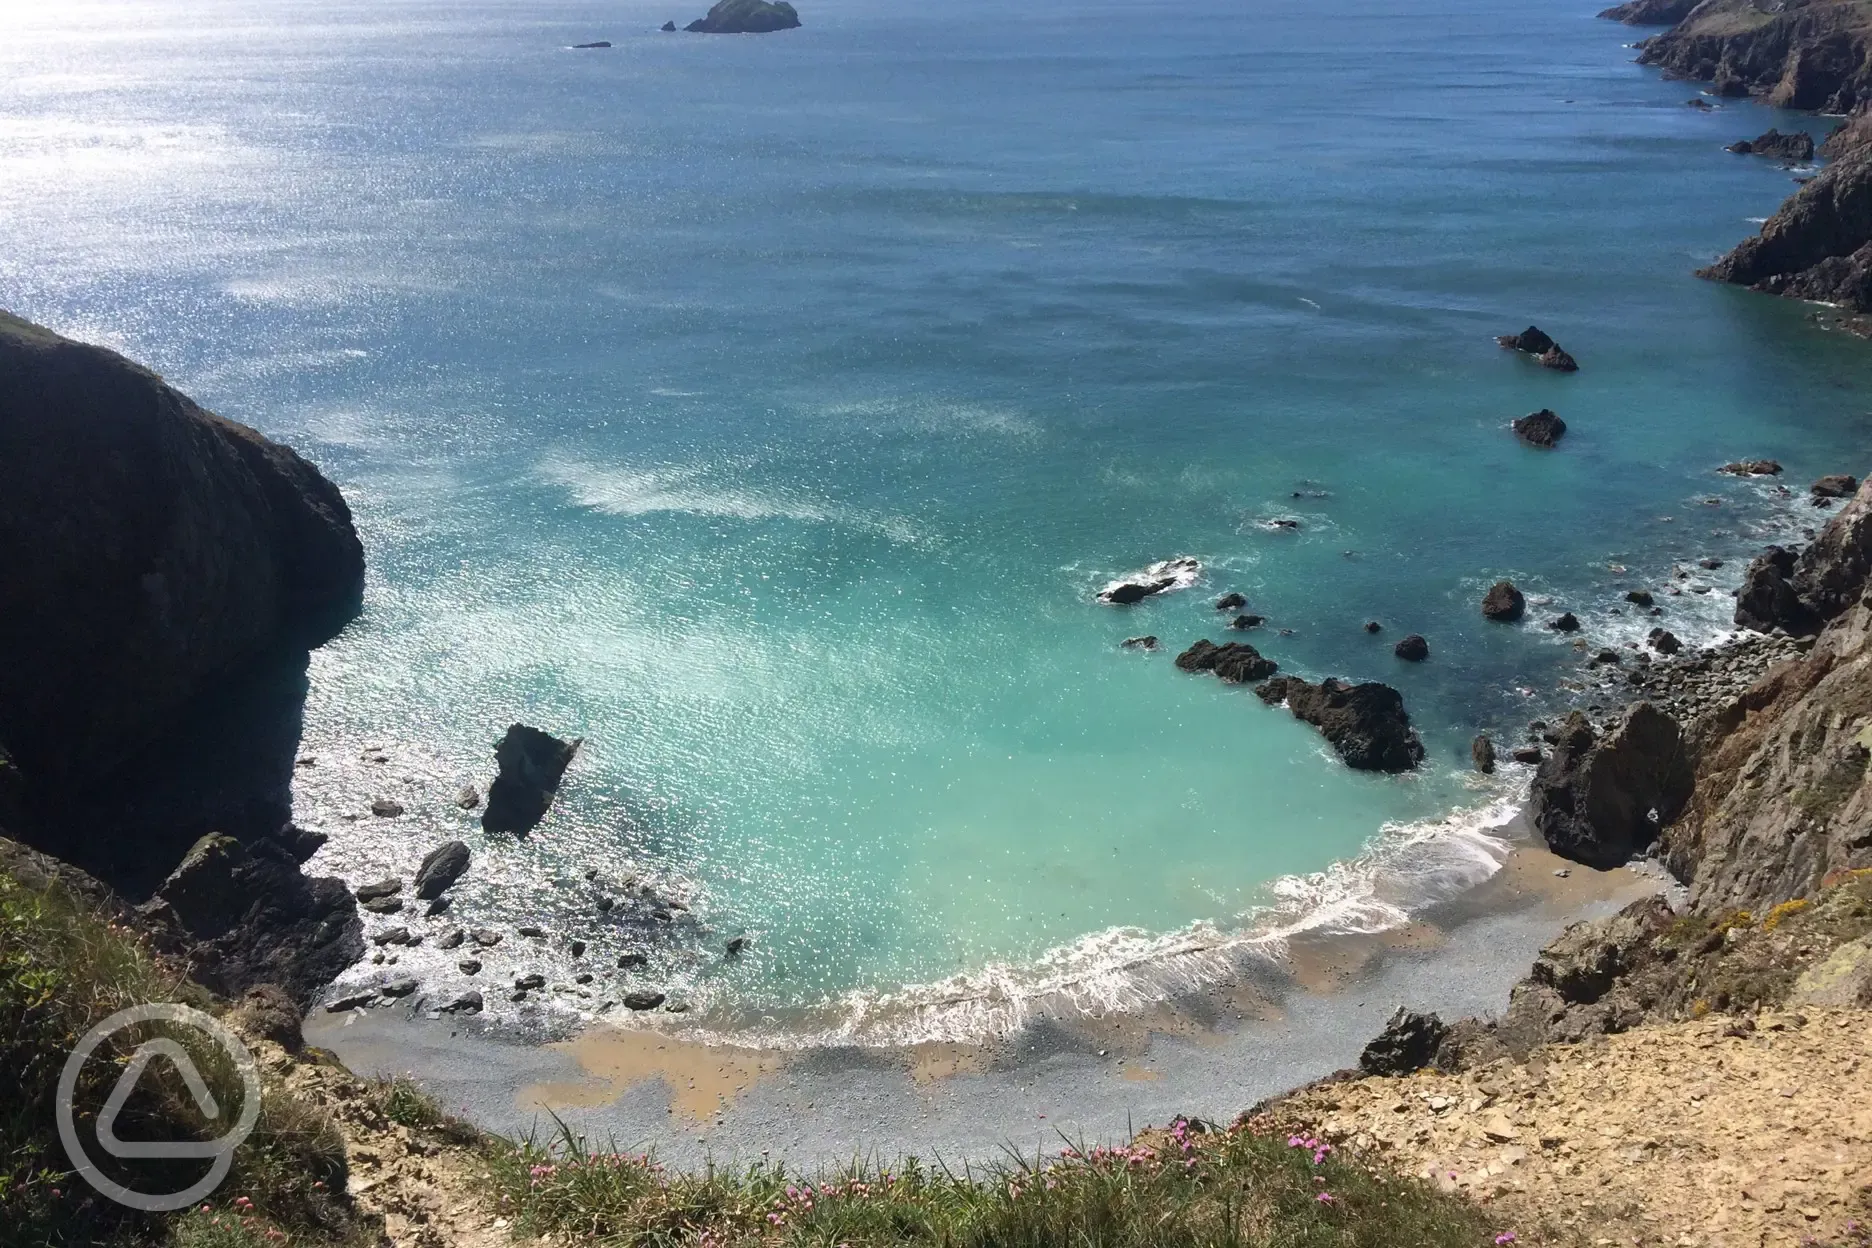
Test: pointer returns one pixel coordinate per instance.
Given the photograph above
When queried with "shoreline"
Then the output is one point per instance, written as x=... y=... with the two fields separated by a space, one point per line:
x=1211 y=1052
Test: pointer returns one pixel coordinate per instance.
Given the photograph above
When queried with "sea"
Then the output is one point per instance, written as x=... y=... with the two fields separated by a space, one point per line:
x=767 y=411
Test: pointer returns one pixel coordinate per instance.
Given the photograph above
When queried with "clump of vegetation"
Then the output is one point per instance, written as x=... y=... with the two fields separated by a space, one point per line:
x=64 y=967
x=1186 y=1186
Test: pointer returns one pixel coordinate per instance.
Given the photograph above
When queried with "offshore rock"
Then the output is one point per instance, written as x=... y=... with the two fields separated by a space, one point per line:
x=1503 y=602
x=1159 y=577
x=1482 y=754
x=1541 y=428
x=1530 y=340
x=1365 y=723
x=746 y=17
x=531 y=765
x=1412 y=648
x=1235 y=662
x=1834 y=485
x=1796 y=146
x=1558 y=360
x=441 y=867
x=1752 y=468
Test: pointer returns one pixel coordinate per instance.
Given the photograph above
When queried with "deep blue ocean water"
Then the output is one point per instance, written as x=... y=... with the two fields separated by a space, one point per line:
x=767 y=411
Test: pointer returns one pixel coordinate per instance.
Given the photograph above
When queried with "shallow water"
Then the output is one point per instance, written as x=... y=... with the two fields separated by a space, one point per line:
x=768 y=410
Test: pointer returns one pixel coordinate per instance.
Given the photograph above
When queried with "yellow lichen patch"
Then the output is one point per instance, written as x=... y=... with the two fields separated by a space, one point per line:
x=1782 y=911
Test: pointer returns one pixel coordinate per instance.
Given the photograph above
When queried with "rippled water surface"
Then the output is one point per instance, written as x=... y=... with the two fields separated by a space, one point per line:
x=767 y=410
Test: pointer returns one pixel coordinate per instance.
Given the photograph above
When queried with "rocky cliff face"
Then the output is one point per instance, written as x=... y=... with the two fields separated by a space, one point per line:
x=163 y=573
x=148 y=549
x=1805 y=54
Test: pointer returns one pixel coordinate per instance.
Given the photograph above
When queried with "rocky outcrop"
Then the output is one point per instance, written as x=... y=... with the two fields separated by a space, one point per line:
x=1235 y=662
x=1752 y=468
x=1834 y=485
x=1504 y=603
x=1600 y=801
x=1412 y=648
x=1532 y=340
x=1365 y=723
x=1541 y=428
x=746 y=17
x=1800 y=592
x=1482 y=754
x=246 y=915
x=1158 y=578
x=531 y=765
x=1408 y=1042
x=153 y=550
x=1774 y=144
x=1650 y=12
x=1797 y=54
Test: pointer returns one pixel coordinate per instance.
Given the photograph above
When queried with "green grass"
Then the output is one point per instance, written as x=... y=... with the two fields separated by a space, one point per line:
x=63 y=968
x=1218 y=1189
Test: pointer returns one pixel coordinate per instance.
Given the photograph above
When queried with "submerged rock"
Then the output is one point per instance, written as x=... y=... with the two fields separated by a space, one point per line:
x=531 y=765
x=1504 y=602
x=1541 y=428
x=1408 y=1042
x=1139 y=643
x=1365 y=723
x=1158 y=578
x=746 y=17
x=1235 y=662
x=1599 y=802
x=1751 y=468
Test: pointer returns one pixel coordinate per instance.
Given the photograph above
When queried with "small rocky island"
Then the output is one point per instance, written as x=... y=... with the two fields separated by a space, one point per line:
x=746 y=17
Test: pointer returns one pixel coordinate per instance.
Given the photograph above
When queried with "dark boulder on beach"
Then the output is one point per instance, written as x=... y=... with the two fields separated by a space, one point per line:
x=1235 y=662
x=1412 y=648
x=1230 y=602
x=1664 y=641
x=643 y=1000
x=1365 y=723
x=389 y=886
x=1530 y=340
x=1482 y=754
x=1778 y=146
x=531 y=765
x=1541 y=428
x=441 y=867
x=1408 y=1043
x=1503 y=602
x=1600 y=801
x=746 y=17
x=1751 y=468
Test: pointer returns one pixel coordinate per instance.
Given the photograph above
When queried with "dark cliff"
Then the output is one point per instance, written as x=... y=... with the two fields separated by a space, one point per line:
x=163 y=574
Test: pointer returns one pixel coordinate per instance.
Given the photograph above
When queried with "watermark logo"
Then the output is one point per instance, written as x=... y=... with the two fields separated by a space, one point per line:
x=221 y=1151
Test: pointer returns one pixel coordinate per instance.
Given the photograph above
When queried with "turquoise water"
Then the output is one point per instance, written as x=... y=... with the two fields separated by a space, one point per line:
x=768 y=410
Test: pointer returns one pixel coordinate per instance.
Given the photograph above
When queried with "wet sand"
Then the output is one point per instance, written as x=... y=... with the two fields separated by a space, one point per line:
x=1210 y=1053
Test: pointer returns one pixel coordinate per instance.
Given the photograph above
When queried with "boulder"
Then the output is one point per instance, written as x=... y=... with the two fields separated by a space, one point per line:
x=1482 y=754
x=1558 y=360
x=451 y=939
x=1503 y=602
x=1230 y=602
x=1123 y=595
x=531 y=765
x=1525 y=754
x=1139 y=643
x=1565 y=622
x=441 y=867
x=1751 y=468
x=1235 y=662
x=746 y=17
x=1599 y=802
x=383 y=905
x=1373 y=626
x=1365 y=723
x=468 y=798
x=468 y=1002
x=1640 y=597
x=390 y=886
x=1412 y=648
x=386 y=808
x=392 y=936
x=1408 y=1043
x=1834 y=485
x=643 y=1000
x=1530 y=340
x=1248 y=621
x=530 y=982
x=399 y=986
x=1664 y=641
x=1541 y=428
